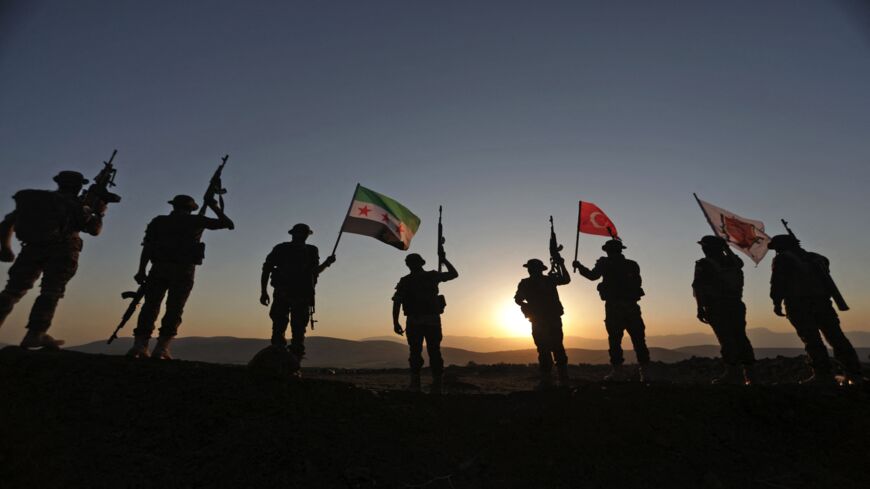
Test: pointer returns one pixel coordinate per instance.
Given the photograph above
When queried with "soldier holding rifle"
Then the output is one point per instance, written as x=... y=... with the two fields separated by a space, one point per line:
x=538 y=298
x=417 y=295
x=802 y=281
x=173 y=247
x=48 y=224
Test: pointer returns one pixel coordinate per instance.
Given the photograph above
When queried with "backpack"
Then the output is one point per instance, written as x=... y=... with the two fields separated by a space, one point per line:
x=41 y=216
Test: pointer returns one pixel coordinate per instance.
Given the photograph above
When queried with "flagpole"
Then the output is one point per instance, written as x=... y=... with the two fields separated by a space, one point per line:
x=341 y=231
x=577 y=239
x=704 y=211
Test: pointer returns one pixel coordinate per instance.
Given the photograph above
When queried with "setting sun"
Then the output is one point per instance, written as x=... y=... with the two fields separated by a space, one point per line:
x=511 y=320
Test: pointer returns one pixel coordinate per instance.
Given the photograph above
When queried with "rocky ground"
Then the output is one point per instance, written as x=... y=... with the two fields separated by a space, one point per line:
x=77 y=420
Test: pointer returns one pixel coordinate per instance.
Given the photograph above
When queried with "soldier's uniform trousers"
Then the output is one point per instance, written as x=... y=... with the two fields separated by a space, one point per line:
x=624 y=317
x=728 y=320
x=424 y=327
x=288 y=308
x=548 y=336
x=173 y=281
x=811 y=316
x=57 y=263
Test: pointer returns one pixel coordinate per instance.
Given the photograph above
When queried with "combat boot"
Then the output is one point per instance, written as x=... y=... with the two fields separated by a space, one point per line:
x=140 y=347
x=562 y=371
x=161 y=350
x=40 y=339
x=643 y=373
x=749 y=374
x=436 y=385
x=819 y=378
x=617 y=374
x=733 y=375
x=414 y=386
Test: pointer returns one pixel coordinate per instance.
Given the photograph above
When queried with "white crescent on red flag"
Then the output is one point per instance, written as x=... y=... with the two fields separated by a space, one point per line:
x=593 y=220
x=746 y=235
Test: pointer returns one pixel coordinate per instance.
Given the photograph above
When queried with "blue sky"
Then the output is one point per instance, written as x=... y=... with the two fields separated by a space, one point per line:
x=504 y=112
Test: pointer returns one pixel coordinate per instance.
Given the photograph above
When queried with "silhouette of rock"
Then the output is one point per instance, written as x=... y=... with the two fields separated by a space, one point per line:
x=274 y=362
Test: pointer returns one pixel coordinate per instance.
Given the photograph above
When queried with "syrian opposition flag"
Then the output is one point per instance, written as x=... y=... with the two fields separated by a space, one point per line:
x=593 y=220
x=376 y=215
x=747 y=235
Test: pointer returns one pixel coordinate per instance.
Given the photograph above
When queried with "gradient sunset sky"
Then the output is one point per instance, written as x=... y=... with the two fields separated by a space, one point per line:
x=505 y=112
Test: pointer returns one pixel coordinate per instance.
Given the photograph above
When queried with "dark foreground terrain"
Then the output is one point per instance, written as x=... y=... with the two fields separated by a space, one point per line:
x=76 y=420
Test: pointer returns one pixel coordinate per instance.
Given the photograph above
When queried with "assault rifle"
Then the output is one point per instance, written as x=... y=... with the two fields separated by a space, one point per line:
x=136 y=299
x=825 y=275
x=99 y=190
x=557 y=263
x=215 y=188
x=441 y=241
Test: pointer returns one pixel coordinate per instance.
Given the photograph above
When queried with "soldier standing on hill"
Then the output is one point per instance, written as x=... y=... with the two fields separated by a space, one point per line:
x=417 y=295
x=718 y=290
x=801 y=279
x=48 y=224
x=538 y=298
x=294 y=268
x=620 y=290
x=174 y=248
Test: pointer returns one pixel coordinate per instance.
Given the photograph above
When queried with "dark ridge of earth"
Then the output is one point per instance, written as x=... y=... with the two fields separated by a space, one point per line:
x=76 y=420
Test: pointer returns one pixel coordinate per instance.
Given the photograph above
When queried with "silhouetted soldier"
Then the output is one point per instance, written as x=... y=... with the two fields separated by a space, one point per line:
x=48 y=224
x=174 y=248
x=294 y=267
x=620 y=290
x=718 y=290
x=538 y=298
x=797 y=280
x=417 y=295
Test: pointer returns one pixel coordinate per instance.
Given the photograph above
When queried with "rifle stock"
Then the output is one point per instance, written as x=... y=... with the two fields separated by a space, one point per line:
x=131 y=309
x=215 y=188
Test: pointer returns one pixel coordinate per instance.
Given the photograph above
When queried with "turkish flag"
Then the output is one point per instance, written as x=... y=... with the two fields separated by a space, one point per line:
x=594 y=221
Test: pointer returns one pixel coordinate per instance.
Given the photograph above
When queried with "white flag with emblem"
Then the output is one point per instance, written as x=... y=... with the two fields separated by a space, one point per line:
x=747 y=235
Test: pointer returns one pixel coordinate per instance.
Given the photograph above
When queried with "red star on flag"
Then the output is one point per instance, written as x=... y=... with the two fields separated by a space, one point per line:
x=386 y=217
x=364 y=210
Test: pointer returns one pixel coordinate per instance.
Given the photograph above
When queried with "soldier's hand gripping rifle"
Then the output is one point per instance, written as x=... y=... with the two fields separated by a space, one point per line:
x=557 y=263
x=824 y=275
x=98 y=195
x=131 y=309
x=215 y=188
x=441 y=241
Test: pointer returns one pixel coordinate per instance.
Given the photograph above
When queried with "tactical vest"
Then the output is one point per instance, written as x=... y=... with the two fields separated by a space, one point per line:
x=804 y=270
x=727 y=281
x=43 y=216
x=419 y=292
x=621 y=281
x=542 y=296
x=175 y=239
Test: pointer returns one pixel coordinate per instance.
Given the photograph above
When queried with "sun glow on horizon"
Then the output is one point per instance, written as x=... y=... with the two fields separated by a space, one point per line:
x=510 y=320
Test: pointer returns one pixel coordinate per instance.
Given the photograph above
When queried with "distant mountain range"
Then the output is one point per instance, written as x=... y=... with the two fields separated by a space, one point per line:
x=760 y=337
x=338 y=353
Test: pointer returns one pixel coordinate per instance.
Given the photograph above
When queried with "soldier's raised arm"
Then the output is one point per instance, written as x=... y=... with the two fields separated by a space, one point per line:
x=222 y=222
x=594 y=274
x=451 y=272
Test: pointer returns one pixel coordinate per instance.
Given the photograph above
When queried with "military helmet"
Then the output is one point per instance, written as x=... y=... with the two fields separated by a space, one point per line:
x=301 y=228
x=782 y=242
x=68 y=177
x=713 y=241
x=535 y=264
x=414 y=258
x=184 y=202
x=613 y=244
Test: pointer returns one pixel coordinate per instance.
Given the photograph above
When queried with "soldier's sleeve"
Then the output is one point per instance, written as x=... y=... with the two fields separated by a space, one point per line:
x=211 y=223
x=271 y=258
x=520 y=295
x=399 y=294
x=778 y=279
x=10 y=218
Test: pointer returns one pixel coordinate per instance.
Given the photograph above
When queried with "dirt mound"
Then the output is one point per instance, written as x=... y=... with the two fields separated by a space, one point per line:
x=78 y=420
